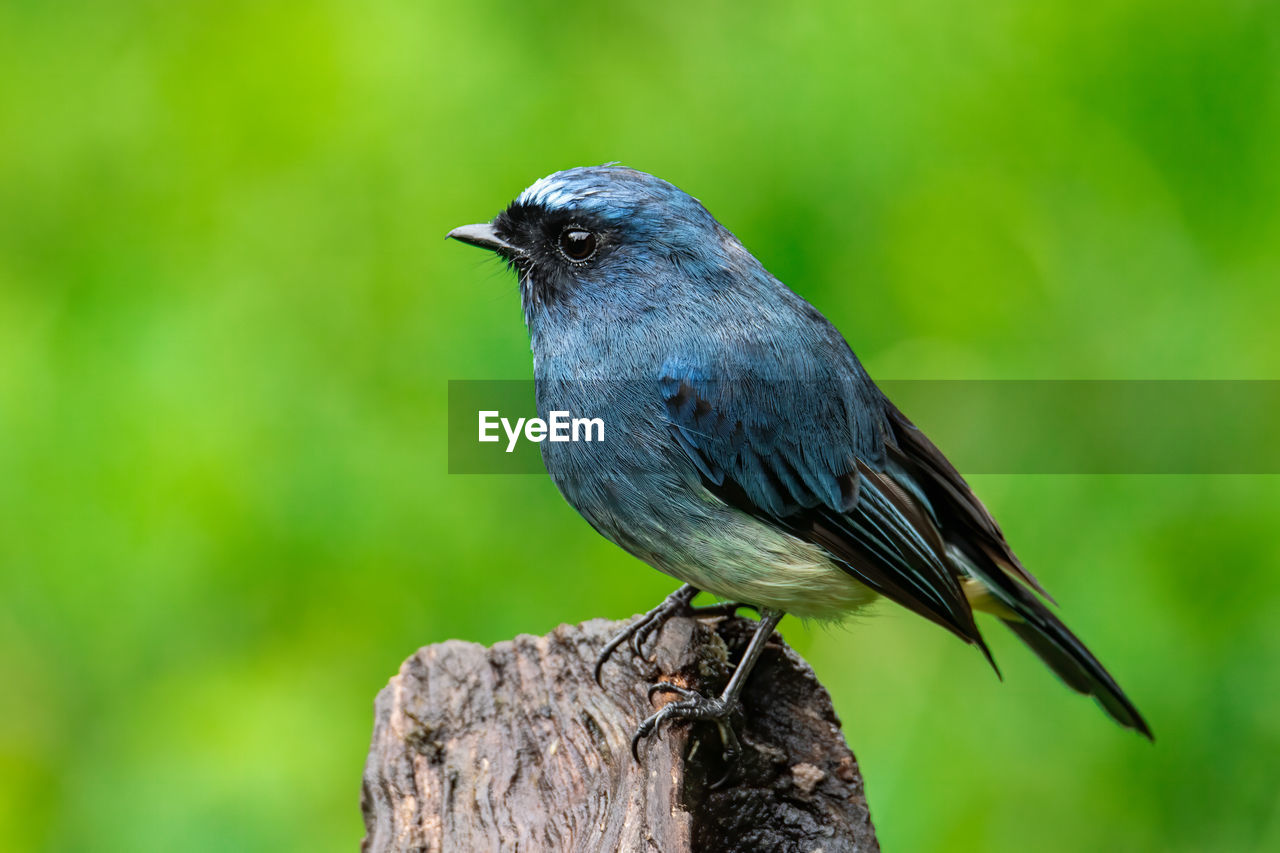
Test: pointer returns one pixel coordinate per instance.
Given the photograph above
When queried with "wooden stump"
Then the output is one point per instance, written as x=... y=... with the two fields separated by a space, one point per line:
x=515 y=748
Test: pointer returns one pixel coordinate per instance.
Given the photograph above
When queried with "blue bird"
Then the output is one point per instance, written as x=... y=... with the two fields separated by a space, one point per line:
x=747 y=451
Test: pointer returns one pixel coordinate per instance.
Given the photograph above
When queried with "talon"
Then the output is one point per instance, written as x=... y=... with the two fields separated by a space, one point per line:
x=642 y=732
x=729 y=739
x=693 y=706
x=640 y=629
x=606 y=653
x=668 y=687
x=651 y=725
x=728 y=771
x=637 y=640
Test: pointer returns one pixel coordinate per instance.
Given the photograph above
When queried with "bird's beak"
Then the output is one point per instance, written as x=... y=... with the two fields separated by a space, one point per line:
x=485 y=237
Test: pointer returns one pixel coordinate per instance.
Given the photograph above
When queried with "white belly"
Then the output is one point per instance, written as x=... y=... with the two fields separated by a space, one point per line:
x=743 y=559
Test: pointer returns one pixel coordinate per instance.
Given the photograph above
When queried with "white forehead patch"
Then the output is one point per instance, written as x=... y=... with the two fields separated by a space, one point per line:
x=546 y=193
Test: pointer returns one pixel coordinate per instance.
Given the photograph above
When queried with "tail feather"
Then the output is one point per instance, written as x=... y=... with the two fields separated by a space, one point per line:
x=1070 y=660
x=991 y=577
x=1080 y=670
x=989 y=589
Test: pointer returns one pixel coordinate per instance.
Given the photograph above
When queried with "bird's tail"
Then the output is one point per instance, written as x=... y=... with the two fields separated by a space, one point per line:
x=1054 y=643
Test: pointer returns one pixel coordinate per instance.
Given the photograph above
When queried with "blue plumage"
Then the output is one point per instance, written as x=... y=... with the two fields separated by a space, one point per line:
x=747 y=451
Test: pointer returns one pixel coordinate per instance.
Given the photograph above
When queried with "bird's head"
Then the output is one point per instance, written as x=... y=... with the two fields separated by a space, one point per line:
x=605 y=232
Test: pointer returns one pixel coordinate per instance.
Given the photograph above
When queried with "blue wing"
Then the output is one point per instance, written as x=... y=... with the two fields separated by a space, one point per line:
x=810 y=456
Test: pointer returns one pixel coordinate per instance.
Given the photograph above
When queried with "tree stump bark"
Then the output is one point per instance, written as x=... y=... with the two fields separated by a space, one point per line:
x=515 y=748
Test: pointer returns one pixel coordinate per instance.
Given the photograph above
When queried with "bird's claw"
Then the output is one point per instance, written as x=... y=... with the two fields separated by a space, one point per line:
x=677 y=604
x=668 y=687
x=640 y=629
x=692 y=706
x=646 y=627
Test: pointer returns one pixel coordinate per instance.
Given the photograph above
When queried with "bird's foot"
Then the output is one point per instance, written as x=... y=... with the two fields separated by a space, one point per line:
x=675 y=604
x=693 y=706
x=640 y=629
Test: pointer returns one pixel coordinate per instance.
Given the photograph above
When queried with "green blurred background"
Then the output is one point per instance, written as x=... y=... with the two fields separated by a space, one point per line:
x=228 y=316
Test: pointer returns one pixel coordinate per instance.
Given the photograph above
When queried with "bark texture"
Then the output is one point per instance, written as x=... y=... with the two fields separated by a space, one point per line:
x=515 y=748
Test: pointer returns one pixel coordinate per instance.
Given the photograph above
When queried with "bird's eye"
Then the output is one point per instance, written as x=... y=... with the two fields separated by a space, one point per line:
x=577 y=244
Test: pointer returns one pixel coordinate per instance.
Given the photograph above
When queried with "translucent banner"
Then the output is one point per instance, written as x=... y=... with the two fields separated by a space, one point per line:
x=984 y=427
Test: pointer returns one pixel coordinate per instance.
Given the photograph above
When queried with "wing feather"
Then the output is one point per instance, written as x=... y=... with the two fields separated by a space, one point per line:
x=792 y=461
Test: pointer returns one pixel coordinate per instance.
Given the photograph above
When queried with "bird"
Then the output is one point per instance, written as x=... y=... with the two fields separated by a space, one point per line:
x=748 y=452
